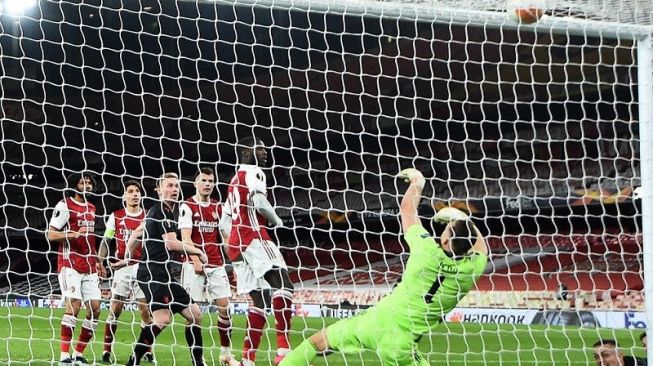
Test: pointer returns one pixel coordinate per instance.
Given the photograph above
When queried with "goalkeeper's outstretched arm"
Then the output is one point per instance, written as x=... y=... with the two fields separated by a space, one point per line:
x=410 y=202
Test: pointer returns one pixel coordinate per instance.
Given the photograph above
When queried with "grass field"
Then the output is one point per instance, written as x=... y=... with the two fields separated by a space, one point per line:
x=31 y=336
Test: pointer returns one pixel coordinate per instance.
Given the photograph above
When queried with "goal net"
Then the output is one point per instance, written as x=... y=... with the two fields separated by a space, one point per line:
x=533 y=129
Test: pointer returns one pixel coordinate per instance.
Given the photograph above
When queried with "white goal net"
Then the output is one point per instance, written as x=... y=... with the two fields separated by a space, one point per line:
x=533 y=129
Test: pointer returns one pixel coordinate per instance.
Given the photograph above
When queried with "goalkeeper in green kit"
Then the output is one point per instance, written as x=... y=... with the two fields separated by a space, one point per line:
x=436 y=277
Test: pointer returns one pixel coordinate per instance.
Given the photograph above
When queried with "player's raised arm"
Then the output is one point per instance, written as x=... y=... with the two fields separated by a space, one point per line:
x=410 y=202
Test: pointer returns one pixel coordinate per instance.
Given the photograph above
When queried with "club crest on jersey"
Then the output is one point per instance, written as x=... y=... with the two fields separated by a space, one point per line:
x=215 y=215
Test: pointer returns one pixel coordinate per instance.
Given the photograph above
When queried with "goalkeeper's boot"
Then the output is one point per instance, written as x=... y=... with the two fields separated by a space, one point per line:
x=106 y=357
x=149 y=357
x=80 y=361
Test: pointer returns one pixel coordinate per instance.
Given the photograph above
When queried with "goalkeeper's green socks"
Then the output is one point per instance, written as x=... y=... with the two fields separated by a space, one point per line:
x=302 y=355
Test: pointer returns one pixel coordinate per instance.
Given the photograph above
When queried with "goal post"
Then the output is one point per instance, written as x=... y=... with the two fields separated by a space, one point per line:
x=645 y=89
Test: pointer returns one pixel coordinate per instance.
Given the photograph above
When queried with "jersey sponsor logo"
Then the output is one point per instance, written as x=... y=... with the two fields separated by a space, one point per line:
x=205 y=226
x=448 y=268
x=90 y=223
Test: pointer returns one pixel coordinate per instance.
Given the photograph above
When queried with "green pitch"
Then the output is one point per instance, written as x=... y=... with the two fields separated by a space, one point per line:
x=31 y=336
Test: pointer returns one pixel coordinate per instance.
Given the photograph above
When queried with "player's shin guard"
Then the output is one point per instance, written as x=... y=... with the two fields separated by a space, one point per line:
x=68 y=323
x=110 y=331
x=224 y=328
x=255 y=323
x=302 y=355
x=194 y=340
x=145 y=341
x=88 y=329
x=282 y=308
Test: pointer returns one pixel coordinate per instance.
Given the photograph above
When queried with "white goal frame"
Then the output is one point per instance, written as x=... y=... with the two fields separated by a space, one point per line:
x=642 y=35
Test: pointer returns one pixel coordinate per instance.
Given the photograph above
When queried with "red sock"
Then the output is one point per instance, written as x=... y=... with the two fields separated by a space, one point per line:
x=255 y=323
x=224 y=328
x=109 y=333
x=68 y=323
x=282 y=308
x=88 y=328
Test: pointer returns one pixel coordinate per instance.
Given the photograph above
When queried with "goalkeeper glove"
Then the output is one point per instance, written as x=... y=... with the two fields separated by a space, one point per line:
x=448 y=214
x=412 y=175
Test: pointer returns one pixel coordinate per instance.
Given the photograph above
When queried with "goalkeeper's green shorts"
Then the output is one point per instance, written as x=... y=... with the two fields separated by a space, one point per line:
x=376 y=332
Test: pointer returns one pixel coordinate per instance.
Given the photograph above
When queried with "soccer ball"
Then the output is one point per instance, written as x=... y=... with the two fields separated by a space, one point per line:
x=525 y=11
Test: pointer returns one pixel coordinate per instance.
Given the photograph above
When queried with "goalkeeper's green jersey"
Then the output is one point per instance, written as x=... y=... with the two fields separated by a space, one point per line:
x=431 y=285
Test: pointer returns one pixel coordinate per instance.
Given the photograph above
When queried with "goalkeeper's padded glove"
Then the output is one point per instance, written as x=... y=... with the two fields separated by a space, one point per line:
x=412 y=175
x=448 y=214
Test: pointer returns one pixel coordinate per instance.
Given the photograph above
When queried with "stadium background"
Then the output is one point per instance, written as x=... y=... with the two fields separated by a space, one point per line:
x=533 y=133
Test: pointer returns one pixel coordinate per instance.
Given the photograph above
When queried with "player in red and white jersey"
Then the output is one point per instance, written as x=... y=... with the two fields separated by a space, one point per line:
x=71 y=226
x=119 y=226
x=259 y=267
x=199 y=219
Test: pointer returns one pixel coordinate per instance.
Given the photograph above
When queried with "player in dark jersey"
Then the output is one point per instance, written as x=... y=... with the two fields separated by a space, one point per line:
x=119 y=226
x=163 y=293
x=71 y=226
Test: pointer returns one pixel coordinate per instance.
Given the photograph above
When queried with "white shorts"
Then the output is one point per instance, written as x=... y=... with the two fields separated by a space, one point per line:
x=124 y=283
x=213 y=284
x=75 y=285
x=258 y=259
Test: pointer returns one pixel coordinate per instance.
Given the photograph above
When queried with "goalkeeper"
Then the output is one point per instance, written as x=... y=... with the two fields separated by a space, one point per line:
x=437 y=276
